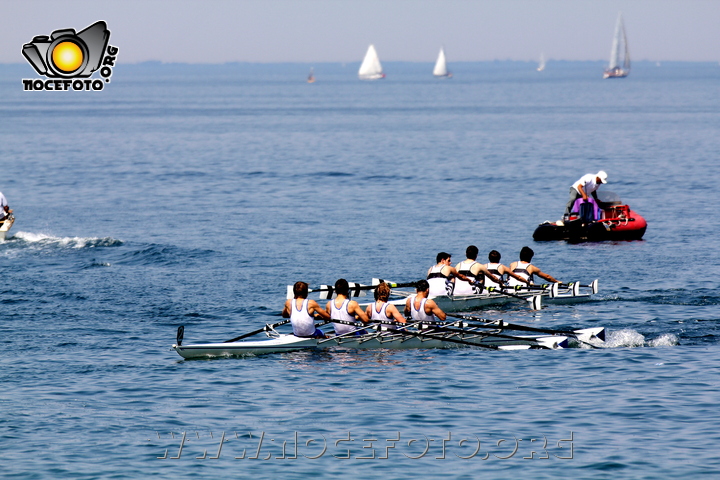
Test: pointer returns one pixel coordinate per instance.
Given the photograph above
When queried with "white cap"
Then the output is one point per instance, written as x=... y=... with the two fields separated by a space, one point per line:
x=602 y=176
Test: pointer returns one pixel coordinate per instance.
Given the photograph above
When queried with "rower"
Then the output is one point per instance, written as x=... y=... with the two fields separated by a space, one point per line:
x=342 y=308
x=4 y=209
x=301 y=313
x=475 y=271
x=422 y=308
x=500 y=270
x=381 y=310
x=441 y=277
x=527 y=270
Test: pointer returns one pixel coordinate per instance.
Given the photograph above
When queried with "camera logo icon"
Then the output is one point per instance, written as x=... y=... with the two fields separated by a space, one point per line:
x=68 y=54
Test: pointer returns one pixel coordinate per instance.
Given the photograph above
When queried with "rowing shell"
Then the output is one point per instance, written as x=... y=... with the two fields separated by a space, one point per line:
x=466 y=303
x=535 y=295
x=390 y=339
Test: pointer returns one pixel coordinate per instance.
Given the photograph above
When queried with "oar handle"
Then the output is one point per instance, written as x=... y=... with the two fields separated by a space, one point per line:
x=266 y=328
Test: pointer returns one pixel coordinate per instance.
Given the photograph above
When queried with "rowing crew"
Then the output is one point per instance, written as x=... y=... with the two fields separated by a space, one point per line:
x=467 y=277
x=470 y=277
x=302 y=311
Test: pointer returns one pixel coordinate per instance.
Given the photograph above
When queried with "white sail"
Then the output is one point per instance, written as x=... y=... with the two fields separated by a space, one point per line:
x=541 y=63
x=440 y=69
x=619 y=65
x=371 y=69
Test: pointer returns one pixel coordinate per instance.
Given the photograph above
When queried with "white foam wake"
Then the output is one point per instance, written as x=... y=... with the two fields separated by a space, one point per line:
x=631 y=338
x=67 y=242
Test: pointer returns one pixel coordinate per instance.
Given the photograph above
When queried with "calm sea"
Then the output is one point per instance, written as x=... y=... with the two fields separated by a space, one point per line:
x=192 y=195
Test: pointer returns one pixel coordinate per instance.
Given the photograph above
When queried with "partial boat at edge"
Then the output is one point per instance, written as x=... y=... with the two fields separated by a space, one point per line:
x=5 y=226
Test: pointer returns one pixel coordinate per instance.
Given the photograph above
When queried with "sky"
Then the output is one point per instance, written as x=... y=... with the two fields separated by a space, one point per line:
x=313 y=31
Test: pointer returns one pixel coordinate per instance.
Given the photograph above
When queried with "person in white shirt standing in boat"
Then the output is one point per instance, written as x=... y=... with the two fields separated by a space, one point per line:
x=527 y=270
x=302 y=311
x=342 y=308
x=421 y=308
x=475 y=271
x=500 y=271
x=587 y=185
x=381 y=310
x=441 y=277
x=4 y=209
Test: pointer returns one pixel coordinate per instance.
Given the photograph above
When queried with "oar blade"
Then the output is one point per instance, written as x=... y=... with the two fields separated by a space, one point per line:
x=326 y=292
x=358 y=289
x=536 y=302
x=594 y=286
x=552 y=342
x=589 y=334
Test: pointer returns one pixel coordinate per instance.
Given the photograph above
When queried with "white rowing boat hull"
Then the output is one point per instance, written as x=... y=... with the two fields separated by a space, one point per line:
x=390 y=340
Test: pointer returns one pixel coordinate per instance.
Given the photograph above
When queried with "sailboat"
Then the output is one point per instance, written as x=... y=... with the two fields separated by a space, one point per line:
x=311 y=77
x=371 y=68
x=541 y=64
x=441 y=69
x=619 y=53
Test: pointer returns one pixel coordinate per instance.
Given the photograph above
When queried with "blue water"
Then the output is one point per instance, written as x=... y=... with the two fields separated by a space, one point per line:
x=188 y=195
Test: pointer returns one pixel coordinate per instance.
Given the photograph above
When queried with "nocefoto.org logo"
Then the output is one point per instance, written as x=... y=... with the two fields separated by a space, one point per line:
x=68 y=58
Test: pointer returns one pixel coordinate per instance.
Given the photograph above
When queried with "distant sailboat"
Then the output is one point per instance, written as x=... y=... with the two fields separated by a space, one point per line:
x=311 y=77
x=619 y=53
x=371 y=69
x=441 y=69
x=541 y=64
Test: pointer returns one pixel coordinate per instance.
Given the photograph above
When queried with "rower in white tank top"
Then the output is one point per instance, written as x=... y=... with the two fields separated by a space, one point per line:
x=439 y=283
x=341 y=313
x=302 y=322
x=382 y=315
x=521 y=269
x=492 y=268
x=419 y=314
x=461 y=286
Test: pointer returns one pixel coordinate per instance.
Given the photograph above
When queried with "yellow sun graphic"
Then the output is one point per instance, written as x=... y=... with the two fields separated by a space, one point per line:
x=67 y=56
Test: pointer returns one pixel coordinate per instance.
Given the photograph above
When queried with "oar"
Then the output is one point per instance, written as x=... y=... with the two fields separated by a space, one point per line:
x=428 y=335
x=552 y=287
x=593 y=286
x=327 y=291
x=535 y=300
x=587 y=333
x=259 y=330
x=360 y=326
x=544 y=343
x=575 y=286
x=269 y=327
x=378 y=281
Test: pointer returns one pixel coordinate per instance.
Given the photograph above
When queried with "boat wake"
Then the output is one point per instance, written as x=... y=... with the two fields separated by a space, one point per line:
x=632 y=338
x=43 y=240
